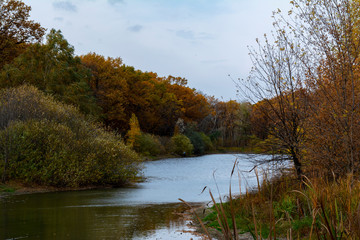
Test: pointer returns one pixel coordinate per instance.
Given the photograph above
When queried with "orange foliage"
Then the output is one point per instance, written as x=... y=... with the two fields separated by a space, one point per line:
x=157 y=102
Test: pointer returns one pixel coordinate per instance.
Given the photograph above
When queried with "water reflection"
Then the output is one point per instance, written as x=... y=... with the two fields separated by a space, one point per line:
x=44 y=217
x=142 y=212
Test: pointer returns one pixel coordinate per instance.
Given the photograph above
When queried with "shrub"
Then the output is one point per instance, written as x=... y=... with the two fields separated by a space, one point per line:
x=148 y=145
x=27 y=102
x=197 y=141
x=45 y=142
x=207 y=141
x=181 y=145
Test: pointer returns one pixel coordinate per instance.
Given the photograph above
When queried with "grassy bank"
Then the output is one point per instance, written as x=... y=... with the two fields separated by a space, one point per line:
x=283 y=208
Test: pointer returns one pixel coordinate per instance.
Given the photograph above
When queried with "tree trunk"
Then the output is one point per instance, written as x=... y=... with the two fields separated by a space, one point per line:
x=297 y=164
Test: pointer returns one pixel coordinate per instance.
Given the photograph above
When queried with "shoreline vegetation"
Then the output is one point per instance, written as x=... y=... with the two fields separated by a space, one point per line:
x=15 y=187
x=284 y=208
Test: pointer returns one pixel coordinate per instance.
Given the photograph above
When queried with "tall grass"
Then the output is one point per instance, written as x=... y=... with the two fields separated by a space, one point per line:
x=281 y=207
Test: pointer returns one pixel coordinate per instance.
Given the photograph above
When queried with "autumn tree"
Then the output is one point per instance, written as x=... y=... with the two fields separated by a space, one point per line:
x=258 y=119
x=134 y=131
x=163 y=107
x=308 y=78
x=326 y=50
x=233 y=122
x=333 y=76
x=16 y=30
x=110 y=88
x=194 y=105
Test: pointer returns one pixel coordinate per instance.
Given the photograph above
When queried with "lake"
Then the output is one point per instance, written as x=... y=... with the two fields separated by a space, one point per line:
x=148 y=210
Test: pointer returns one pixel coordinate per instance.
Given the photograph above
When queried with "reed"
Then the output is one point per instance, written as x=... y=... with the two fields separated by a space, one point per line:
x=281 y=207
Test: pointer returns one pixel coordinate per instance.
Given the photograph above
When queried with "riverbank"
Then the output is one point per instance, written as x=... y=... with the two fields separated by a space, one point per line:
x=215 y=234
x=284 y=208
x=17 y=188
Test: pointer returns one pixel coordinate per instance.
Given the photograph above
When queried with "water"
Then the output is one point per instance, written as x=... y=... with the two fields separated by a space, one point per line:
x=148 y=210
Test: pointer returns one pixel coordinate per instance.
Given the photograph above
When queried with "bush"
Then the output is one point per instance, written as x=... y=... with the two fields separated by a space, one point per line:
x=48 y=143
x=181 y=145
x=27 y=102
x=148 y=145
x=197 y=141
x=207 y=141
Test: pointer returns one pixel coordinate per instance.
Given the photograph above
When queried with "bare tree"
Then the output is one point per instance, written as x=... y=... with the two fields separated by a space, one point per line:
x=276 y=80
x=306 y=75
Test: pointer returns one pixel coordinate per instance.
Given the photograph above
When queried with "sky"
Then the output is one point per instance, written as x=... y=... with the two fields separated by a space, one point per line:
x=203 y=41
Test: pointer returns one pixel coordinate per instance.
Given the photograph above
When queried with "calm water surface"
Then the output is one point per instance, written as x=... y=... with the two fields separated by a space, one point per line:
x=146 y=211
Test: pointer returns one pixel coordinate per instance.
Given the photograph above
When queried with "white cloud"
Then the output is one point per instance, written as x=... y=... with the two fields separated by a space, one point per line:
x=135 y=28
x=65 y=5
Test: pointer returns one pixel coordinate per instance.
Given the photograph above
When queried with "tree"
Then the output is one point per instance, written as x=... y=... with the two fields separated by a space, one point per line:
x=194 y=105
x=232 y=122
x=134 y=131
x=53 y=68
x=121 y=90
x=277 y=80
x=181 y=145
x=333 y=77
x=259 y=122
x=110 y=88
x=16 y=30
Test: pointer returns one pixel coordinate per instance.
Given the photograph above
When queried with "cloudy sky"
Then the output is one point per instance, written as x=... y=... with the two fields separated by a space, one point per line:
x=201 y=40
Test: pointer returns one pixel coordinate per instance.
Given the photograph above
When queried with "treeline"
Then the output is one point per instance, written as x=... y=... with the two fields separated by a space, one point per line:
x=112 y=92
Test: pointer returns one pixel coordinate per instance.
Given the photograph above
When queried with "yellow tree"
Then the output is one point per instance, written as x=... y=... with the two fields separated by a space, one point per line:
x=134 y=131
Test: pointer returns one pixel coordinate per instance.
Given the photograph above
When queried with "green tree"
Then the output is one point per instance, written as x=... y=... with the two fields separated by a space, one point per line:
x=148 y=145
x=53 y=68
x=181 y=145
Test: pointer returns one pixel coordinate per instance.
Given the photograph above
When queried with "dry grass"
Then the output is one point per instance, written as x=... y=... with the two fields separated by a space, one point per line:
x=283 y=208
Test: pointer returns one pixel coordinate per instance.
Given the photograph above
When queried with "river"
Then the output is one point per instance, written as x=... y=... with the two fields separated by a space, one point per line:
x=145 y=211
